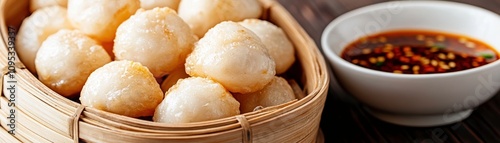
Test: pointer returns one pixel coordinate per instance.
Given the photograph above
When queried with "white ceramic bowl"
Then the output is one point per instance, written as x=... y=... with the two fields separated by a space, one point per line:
x=415 y=100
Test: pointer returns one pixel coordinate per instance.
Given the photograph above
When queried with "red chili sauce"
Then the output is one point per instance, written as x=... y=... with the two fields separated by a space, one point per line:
x=418 y=52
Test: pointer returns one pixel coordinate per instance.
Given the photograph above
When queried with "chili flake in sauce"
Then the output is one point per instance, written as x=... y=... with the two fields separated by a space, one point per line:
x=419 y=52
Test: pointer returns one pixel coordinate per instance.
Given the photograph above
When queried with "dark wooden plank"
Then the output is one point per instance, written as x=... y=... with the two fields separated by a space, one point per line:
x=312 y=18
x=491 y=5
x=391 y=133
x=420 y=135
x=450 y=137
x=496 y=101
x=490 y=118
x=331 y=8
x=482 y=129
x=365 y=124
x=464 y=134
x=338 y=125
x=351 y=5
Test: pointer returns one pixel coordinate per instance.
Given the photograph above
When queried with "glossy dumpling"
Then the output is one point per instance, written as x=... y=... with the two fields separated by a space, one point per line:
x=196 y=99
x=122 y=87
x=100 y=18
x=202 y=15
x=277 y=92
x=277 y=43
x=35 y=29
x=233 y=56
x=150 y=4
x=157 y=38
x=37 y=4
x=66 y=59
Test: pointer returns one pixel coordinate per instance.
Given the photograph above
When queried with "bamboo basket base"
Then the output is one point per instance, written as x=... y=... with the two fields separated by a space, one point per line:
x=5 y=137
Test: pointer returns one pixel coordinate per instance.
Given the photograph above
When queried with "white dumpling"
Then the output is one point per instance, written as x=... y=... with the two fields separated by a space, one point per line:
x=37 y=4
x=66 y=59
x=277 y=92
x=276 y=41
x=100 y=18
x=122 y=87
x=150 y=4
x=157 y=38
x=202 y=15
x=196 y=99
x=35 y=29
x=233 y=56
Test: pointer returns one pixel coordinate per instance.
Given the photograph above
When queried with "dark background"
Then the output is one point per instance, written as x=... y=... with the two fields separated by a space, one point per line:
x=344 y=121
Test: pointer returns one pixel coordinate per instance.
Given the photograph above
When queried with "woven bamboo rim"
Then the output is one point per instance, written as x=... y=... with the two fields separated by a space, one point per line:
x=44 y=116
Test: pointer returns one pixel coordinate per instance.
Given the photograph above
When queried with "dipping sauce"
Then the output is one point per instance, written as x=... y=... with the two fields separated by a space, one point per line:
x=418 y=52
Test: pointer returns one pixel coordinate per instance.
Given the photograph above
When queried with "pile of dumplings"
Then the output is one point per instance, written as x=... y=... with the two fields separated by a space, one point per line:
x=179 y=61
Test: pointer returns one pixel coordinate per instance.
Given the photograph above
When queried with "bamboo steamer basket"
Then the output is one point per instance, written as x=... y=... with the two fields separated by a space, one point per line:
x=44 y=116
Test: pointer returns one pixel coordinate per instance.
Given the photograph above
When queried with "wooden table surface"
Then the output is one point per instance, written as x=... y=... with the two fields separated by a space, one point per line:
x=344 y=120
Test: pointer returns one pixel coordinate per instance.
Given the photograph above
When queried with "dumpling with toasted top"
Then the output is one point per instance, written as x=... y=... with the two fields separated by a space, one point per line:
x=233 y=56
x=150 y=4
x=35 y=29
x=196 y=99
x=277 y=43
x=100 y=18
x=66 y=59
x=37 y=4
x=278 y=91
x=122 y=87
x=202 y=15
x=157 y=38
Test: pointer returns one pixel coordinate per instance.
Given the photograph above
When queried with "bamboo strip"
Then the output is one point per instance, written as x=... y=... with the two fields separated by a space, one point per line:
x=50 y=117
x=21 y=132
x=266 y=111
x=5 y=137
x=26 y=120
x=30 y=135
x=36 y=88
x=97 y=134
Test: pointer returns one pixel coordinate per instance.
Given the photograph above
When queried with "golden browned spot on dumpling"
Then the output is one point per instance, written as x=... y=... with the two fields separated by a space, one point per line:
x=66 y=59
x=38 y=4
x=100 y=18
x=122 y=87
x=35 y=29
x=202 y=15
x=150 y=4
x=157 y=38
